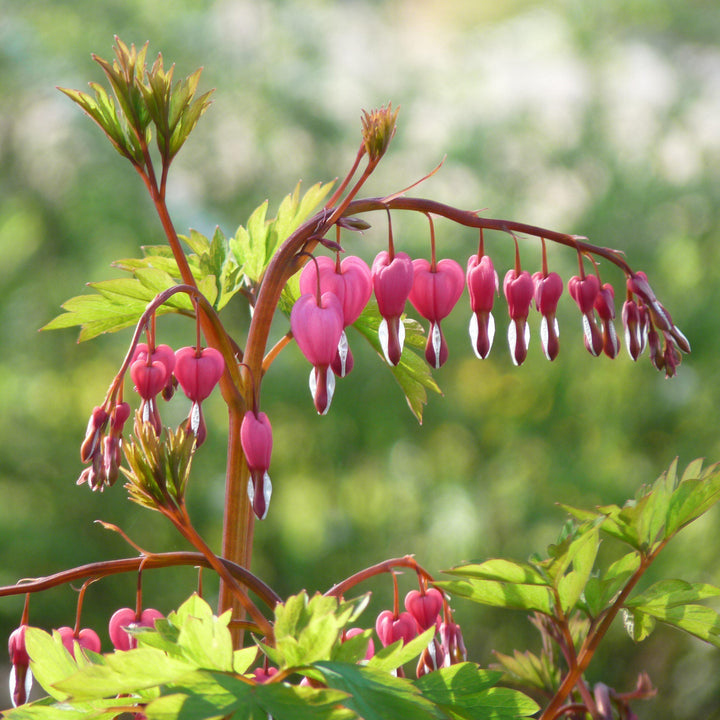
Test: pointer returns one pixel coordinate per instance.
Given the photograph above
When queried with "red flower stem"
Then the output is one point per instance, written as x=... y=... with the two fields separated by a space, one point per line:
x=408 y=561
x=341 y=189
x=155 y=561
x=78 y=611
x=433 y=256
x=594 y=637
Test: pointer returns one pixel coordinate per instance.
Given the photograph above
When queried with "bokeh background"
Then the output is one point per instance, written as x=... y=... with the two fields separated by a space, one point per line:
x=596 y=117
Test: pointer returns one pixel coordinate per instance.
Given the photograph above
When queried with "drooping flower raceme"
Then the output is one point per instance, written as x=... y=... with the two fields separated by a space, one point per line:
x=256 y=440
x=434 y=293
x=392 y=281
x=482 y=282
x=317 y=325
x=350 y=281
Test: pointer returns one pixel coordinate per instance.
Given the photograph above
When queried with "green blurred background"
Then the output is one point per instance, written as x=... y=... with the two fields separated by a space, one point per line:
x=600 y=118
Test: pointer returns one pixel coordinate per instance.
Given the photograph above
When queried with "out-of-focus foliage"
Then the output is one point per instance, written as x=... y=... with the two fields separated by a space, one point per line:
x=598 y=118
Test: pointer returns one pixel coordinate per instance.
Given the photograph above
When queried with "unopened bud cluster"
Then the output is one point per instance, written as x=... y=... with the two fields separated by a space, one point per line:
x=156 y=371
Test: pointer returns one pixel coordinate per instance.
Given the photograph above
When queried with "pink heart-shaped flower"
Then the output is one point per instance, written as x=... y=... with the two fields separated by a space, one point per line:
x=150 y=379
x=317 y=327
x=482 y=282
x=87 y=639
x=425 y=608
x=199 y=373
x=435 y=292
x=390 y=629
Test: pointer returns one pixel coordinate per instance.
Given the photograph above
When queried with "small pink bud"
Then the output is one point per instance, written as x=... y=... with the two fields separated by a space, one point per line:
x=519 y=290
x=392 y=282
x=605 y=308
x=95 y=428
x=261 y=675
x=584 y=291
x=256 y=440
x=20 y=674
x=451 y=642
x=635 y=332
x=198 y=373
x=390 y=629
x=548 y=289
x=482 y=282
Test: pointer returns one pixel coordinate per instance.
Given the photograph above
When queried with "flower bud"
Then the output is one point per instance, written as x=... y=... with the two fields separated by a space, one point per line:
x=482 y=282
x=256 y=440
x=519 y=290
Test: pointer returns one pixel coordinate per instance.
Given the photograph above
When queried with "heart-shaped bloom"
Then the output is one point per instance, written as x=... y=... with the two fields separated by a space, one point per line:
x=87 y=639
x=166 y=355
x=198 y=372
x=392 y=282
x=482 y=282
x=350 y=281
x=317 y=327
x=391 y=628
x=126 y=618
x=425 y=607
x=434 y=293
x=548 y=289
x=256 y=440
x=519 y=290
x=584 y=291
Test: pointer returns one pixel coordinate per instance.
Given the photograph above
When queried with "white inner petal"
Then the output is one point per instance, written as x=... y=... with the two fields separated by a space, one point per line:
x=473 y=330
x=490 y=330
x=512 y=337
x=267 y=493
x=251 y=491
x=383 y=338
x=401 y=334
x=195 y=417
x=544 y=335
x=343 y=352
x=330 y=389
x=587 y=331
x=436 y=342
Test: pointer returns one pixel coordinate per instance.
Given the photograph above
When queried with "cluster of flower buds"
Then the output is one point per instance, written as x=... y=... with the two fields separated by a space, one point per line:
x=154 y=372
x=424 y=609
x=334 y=294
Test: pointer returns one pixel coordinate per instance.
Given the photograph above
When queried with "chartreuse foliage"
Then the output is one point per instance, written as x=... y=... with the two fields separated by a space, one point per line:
x=568 y=585
x=186 y=668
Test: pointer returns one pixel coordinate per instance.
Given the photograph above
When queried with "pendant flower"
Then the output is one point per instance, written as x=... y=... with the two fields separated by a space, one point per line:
x=350 y=281
x=482 y=282
x=548 y=289
x=434 y=293
x=392 y=281
x=519 y=290
x=317 y=324
x=256 y=440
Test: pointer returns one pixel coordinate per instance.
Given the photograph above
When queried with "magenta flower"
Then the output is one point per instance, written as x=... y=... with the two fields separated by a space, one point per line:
x=434 y=293
x=548 y=289
x=317 y=327
x=519 y=290
x=425 y=607
x=87 y=639
x=482 y=282
x=350 y=281
x=256 y=440
x=198 y=372
x=605 y=308
x=391 y=628
x=634 y=318
x=584 y=291
x=20 y=673
x=392 y=282
x=127 y=618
